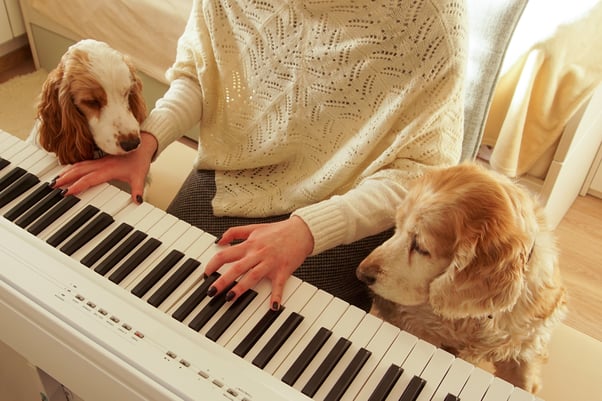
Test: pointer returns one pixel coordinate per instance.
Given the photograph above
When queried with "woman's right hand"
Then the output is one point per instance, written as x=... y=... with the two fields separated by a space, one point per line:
x=131 y=168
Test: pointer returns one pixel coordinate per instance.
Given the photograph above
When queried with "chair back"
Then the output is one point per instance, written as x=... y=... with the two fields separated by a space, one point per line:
x=491 y=24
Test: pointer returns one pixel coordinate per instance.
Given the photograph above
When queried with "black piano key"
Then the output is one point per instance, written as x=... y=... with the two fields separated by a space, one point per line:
x=306 y=356
x=195 y=298
x=256 y=332
x=348 y=375
x=16 y=189
x=51 y=215
x=40 y=208
x=451 y=397
x=280 y=337
x=238 y=306
x=320 y=375
x=173 y=282
x=72 y=225
x=412 y=391
x=30 y=200
x=106 y=244
x=3 y=163
x=134 y=261
x=120 y=252
x=385 y=385
x=210 y=309
x=11 y=177
x=100 y=222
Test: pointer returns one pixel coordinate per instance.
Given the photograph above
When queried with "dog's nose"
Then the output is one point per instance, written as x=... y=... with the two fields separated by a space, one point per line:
x=367 y=274
x=129 y=143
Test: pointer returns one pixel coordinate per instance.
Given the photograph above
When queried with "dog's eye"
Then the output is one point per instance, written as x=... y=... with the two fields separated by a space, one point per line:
x=415 y=247
x=92 y=103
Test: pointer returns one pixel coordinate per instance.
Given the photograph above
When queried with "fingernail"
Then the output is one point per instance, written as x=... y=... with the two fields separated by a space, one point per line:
x=217 y=240
x=275 y=306
x=64 y=192
x=205 y=276
x=53 y=181
x=139 y=199
x=230 y=296
x=211 y=291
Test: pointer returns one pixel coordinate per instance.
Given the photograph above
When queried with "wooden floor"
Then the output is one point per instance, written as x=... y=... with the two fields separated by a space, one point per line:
x=579 y=238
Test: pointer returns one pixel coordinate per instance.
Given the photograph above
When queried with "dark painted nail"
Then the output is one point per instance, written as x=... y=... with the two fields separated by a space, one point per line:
x=230 y=296
x=217 y=239
x=205 y=276
x=53 y=182
x=139 y=199
x=64 y=192
x=275 y=306
x=211 y=291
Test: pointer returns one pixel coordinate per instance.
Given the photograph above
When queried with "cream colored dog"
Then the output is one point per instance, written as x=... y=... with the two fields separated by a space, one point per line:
x=472 y=268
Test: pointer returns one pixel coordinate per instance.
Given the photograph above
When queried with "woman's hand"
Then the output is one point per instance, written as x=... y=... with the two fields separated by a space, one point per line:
x=273 y=250
x=131 y=168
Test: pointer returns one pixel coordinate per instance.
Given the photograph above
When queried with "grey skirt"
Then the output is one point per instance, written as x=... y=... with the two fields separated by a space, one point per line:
x=332 y=271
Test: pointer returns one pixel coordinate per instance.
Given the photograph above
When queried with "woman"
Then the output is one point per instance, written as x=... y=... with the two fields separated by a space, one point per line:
x=314 y=117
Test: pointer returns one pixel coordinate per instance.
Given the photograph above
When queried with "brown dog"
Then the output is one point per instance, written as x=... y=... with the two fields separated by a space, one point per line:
x=472 y=268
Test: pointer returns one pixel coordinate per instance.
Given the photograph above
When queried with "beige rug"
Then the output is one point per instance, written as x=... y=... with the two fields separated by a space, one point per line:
x=18 y=99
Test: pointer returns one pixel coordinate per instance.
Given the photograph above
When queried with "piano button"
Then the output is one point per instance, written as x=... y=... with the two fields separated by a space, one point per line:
x=310 y=343
x=99 y=223
x=194 y=299
x=454 y=380
x=277 y=340
x=413 y=365
x=413 y=390
x=106 y=245
x=233 y=312
x=17 y=188
x=73 y=225
x=499 y=390
x=175 y=280
x=323 y=371
x=395 y=355
x=303 y=360
x=3 y=163
x=349 y=375
x=386 y=383
x=434 y=372
x=132 y=262
x=253 y=336
x=11 y=177
x=210 y=309
x=155 y=275
x=477 y=385
x=120 y=252
x=40 y=208
x=53 y=214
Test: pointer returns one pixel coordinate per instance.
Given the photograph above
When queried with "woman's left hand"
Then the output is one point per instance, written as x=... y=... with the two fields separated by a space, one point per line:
x=272 y=250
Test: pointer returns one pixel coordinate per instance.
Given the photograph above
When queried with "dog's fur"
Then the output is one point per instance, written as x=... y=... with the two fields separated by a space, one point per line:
x=472 y=268
x=91 y=104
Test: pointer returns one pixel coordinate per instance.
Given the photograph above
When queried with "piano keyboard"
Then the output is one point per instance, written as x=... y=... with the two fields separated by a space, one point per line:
x=109 y=298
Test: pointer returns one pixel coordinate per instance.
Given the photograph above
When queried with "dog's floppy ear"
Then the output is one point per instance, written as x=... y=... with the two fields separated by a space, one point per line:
x=136 y=100
x=64 y=129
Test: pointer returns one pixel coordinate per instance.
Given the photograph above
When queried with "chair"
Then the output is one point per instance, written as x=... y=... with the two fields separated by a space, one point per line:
x=491 y=24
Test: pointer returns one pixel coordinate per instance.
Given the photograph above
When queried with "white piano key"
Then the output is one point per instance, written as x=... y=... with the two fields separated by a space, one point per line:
x=414 y=364
x=360 y=338
x=44 y=178
x=434 y=372
x=11 y=146
x=518 y=394
x=342 y=329
x=476 y=386
x=6 y=140
x=310 y=312
x=396 y=355
x=131 y=215
x=454 y=380
x=499 y=390
x=378 y=346
x=327 y=319
x=289 y=288
x=17 y=154
x=95 y=196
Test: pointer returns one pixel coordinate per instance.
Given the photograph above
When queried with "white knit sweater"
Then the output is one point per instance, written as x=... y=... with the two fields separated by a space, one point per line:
x=326 y=109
